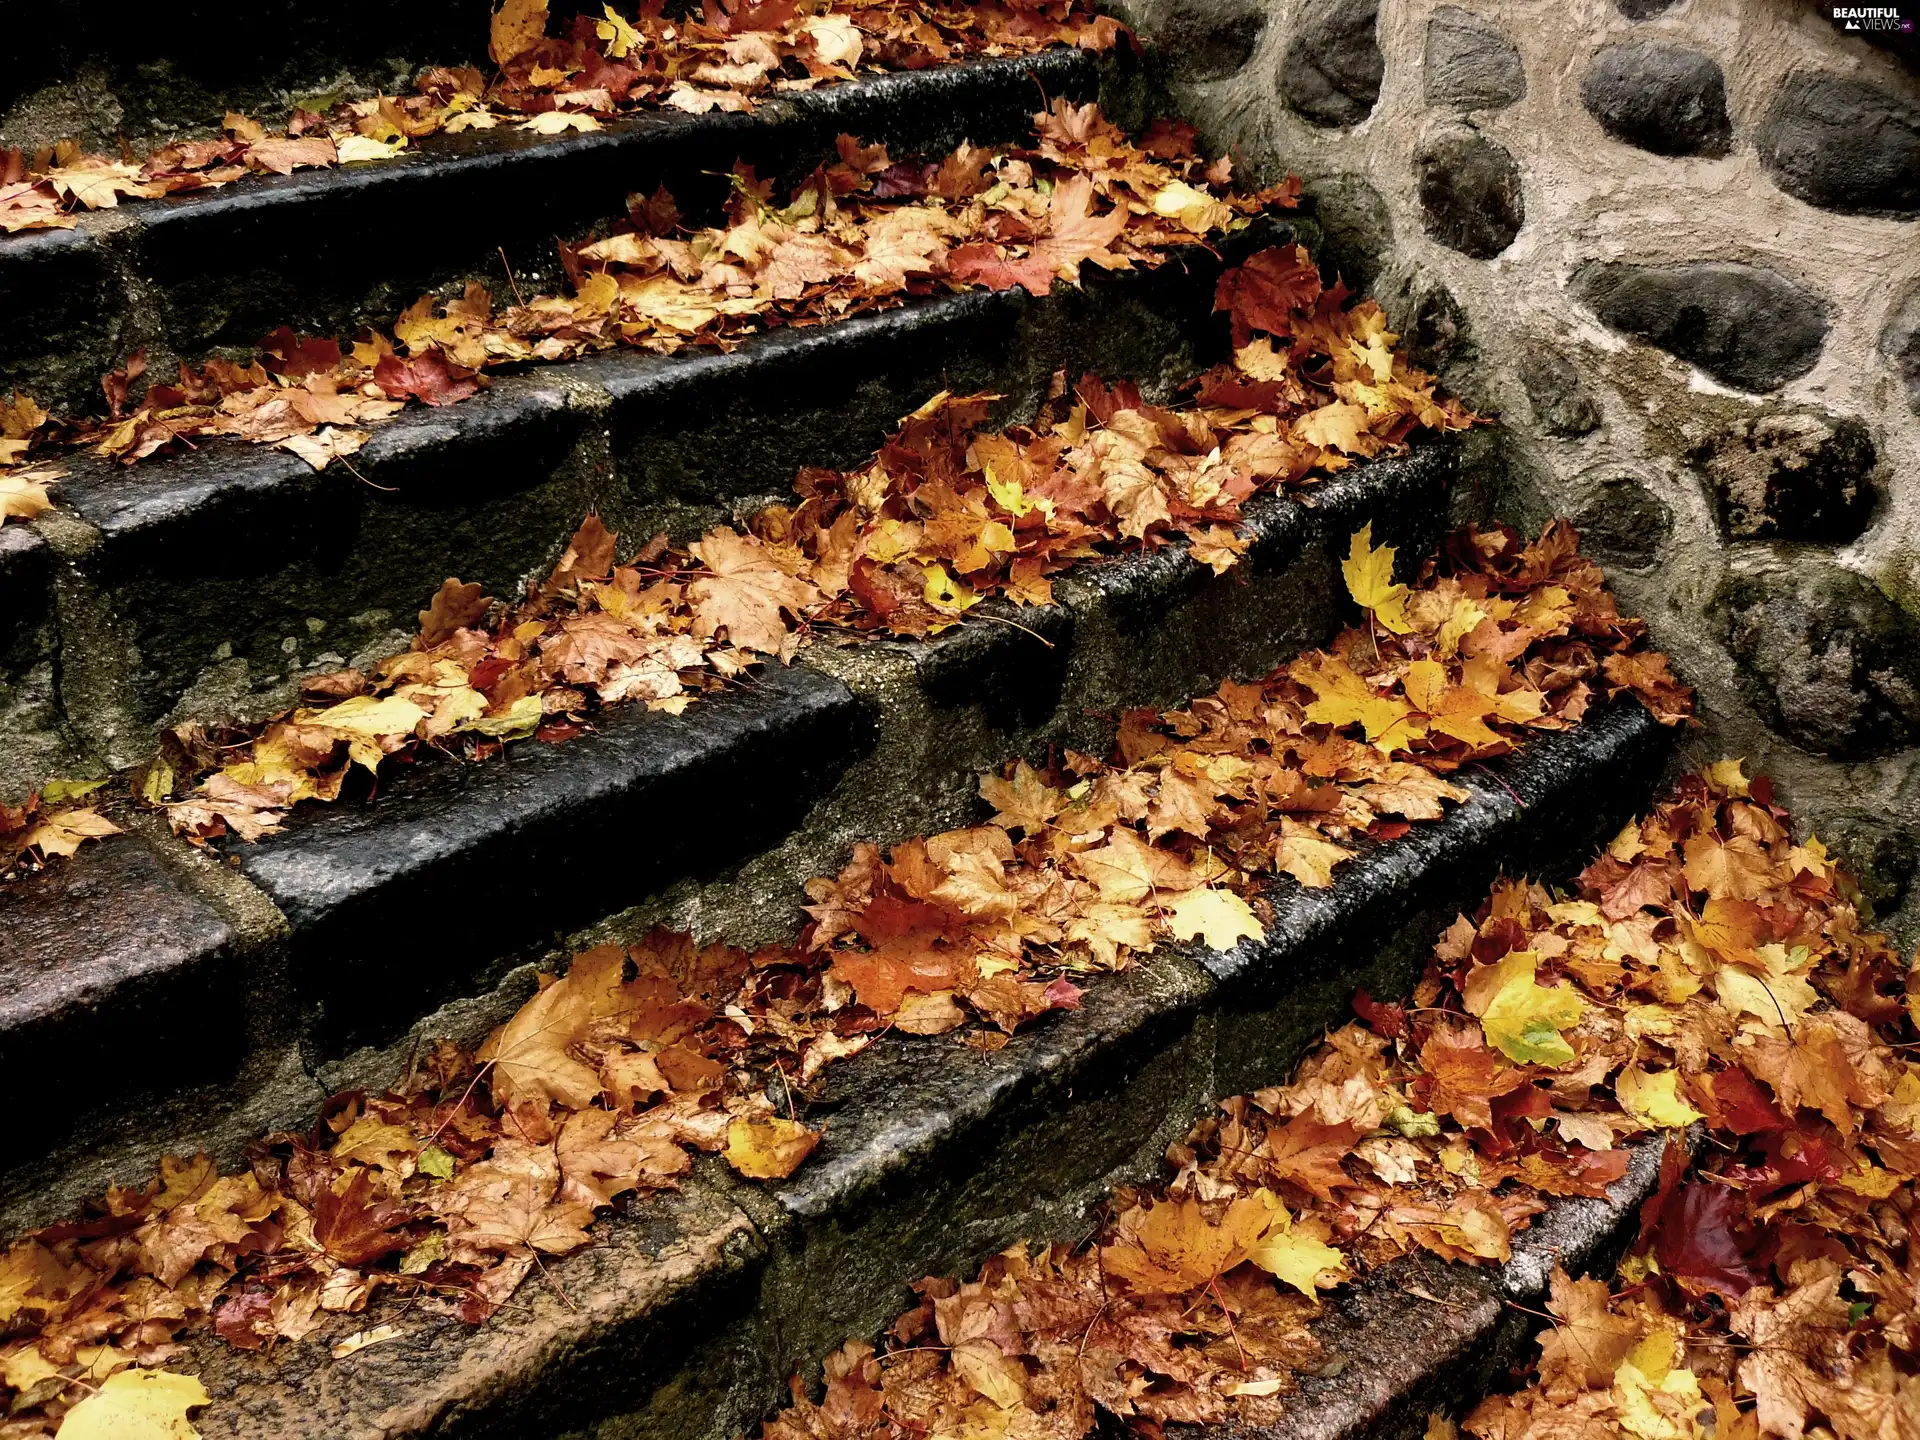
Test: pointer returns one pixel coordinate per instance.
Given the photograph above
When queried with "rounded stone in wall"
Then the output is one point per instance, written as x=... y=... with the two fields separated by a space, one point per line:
x=1560 y=401
x=1207 y=39
x=1660 y=97
x=1356 y=229
x=1621 y=521
x=1470 y=194
x=1880 y=858
x=1843 y=144
x=1439 y=335
x=1470 y=62
x=1828 y=659
x=1331 y=73
x=1900 y=343
x=1791 y=475
x=1746 y=327
x=1643 y=9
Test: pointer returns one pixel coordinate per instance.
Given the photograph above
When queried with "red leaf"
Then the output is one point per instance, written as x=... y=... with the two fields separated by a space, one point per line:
x=246 y=1321
x=1700 y=1239
x=428 y=376
x=297 y=356
x=357 y=1224
x=1745 y=1108
x=1267 y=291
x=985 y=264
x=1388 y=1020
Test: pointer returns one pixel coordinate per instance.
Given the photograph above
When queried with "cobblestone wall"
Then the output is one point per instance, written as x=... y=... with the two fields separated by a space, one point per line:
x=1674 y=245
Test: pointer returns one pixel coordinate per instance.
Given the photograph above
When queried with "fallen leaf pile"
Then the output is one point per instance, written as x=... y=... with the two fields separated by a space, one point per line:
x=722 y=59
x=864 y=233
x=947 y=516
x=1707 y=969
x=448 y=1188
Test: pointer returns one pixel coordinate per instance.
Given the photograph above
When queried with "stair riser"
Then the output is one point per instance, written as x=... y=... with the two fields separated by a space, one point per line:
x=31 y=743
x=328 y=251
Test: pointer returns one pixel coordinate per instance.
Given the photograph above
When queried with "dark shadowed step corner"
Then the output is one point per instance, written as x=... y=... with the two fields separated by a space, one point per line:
x=689 y=1314
x=322 y=249
x=231 y=567
x=1418 y=1335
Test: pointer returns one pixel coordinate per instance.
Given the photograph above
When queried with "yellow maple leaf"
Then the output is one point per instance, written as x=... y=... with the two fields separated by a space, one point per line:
x=619 y=35
x=1370 y=581
x=1342 y=697
x=137 y=1405
x=1522 y=1018
x=1218 y=918
x=769 y=1149
x=1295 y=1256
x=65 y=831
x=946 y=594
x=1654 y=1098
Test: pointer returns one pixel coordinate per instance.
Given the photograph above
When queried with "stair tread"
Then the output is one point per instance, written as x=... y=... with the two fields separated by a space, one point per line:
x=242 y=546
x=922 y=1130
x=1403 y=1354
x=207 y=268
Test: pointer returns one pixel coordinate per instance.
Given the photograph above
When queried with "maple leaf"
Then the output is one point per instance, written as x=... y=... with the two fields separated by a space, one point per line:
x=529 y=1054
x=517 y=26
x=1342 y=698
x=1369 y=575
x=356 y=1222
x=746 y=592
x=1268 y=292
x=22 y=499
x=1296 y=1256
x=1023 y=802
x=455 y=606
x=1523 y=1019
x=1309 y=1153
x=65 y=831
x=1172 y=1247
x=1654 y=1098
x=428 y=376
x=1464 y=1076
x=1700 y=1238
x=1218 y=918
x=770 y=1148
x=1587 y=1341
x=137 y=1405
x=1828 y=1062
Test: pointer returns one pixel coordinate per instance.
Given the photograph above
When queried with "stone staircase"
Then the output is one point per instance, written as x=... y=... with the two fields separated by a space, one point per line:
x=155 y=998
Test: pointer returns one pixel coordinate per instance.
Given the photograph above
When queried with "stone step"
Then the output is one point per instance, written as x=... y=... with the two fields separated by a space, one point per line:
x=1418 y=1335
x=686 y=1318
x=198 y=584
x=328 y=250
x=376 y=912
